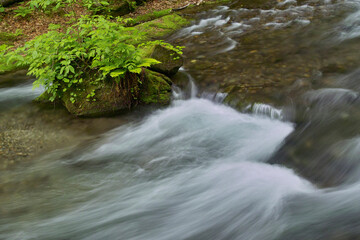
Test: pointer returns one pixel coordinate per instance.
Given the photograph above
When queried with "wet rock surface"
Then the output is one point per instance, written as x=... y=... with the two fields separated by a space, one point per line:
x=170 y=61
x=156 y=89
x=111 y=98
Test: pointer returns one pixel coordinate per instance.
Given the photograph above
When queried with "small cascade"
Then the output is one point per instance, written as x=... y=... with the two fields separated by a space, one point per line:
x=214 y=97
x=192 y=88
x=261 y=109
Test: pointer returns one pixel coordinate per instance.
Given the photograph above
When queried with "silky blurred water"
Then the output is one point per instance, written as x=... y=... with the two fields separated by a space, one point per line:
x=283 y=165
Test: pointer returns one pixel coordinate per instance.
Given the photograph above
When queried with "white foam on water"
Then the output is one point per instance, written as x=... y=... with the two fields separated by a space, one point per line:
x=261 y=109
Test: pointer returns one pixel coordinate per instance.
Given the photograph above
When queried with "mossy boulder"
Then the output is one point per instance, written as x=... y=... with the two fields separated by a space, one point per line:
x=170 y=61
x=156 y=89
x=108 y=98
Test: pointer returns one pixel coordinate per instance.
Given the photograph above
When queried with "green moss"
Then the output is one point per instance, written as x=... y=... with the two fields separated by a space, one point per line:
x=156 y=89
x=170 y=61
x=162 y=26
x=148 y=17
x=107 y=101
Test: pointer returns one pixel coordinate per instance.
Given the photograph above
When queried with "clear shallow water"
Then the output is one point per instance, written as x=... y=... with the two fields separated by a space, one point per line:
x=285 y=167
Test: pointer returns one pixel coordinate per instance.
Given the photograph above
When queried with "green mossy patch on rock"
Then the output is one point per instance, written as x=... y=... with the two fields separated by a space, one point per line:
x=162 y=26
x=108 y=99
x=148 y=17
x=156 y=89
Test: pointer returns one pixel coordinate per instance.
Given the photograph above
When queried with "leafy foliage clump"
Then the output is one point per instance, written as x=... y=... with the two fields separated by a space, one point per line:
x=96 y=6
x=23 y=11
x=93 y=48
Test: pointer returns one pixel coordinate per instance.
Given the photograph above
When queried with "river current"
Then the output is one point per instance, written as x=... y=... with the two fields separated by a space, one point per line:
x=261 y=140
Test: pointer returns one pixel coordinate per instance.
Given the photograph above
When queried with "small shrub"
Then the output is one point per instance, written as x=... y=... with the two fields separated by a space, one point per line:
x=8 y=37
x=132 y=4
x=46 y=6
x=96 y=6
x=23 y=11
x=93 y=48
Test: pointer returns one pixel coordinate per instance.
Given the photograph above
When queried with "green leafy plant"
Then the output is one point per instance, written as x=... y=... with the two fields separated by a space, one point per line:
x=132 y=4
x=92 y=50
x=23 y=11
x=96 y=6
x=8 y=37
x=50 y=6
x=46 y=5
x=3 y=50
x=2 y=9
x=91 y=96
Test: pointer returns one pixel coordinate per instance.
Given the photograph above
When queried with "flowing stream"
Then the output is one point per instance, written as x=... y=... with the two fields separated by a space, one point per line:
x=260 y=142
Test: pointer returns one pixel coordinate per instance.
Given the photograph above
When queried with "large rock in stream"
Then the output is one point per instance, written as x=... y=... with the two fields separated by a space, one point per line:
x=324 y=146
x=108 y=98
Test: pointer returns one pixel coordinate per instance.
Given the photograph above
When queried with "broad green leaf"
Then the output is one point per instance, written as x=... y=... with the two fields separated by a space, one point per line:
x=117 y=73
